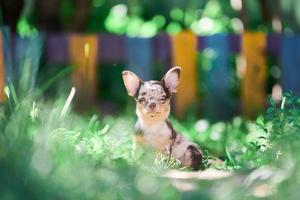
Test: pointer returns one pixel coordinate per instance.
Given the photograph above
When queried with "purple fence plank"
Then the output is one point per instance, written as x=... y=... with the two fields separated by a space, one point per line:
x=162 y=47
x=201 y=43
x=56 y=48
x=111 y=49
x=274 y=44
x=162 y=50
x=235 y=43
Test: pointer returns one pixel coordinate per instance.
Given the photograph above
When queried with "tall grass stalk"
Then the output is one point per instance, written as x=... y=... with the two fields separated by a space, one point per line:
x=68 y=103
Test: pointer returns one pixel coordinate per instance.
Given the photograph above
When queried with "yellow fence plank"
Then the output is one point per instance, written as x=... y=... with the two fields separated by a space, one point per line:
x=83 y=51
x=184 y=54
x=2 y=70
x=254 y=78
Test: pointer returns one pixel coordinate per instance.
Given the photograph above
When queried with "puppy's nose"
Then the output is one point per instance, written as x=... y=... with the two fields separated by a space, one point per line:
x=152 y=106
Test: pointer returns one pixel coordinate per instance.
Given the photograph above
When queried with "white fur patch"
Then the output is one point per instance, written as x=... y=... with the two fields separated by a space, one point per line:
x=179 y=149
x=156 y=134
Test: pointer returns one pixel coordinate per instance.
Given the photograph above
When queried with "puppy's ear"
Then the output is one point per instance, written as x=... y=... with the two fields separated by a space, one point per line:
x=132 y=82
x=171 y=79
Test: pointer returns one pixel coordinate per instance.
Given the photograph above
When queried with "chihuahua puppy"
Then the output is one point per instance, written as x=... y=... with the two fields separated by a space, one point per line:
x=152 y=108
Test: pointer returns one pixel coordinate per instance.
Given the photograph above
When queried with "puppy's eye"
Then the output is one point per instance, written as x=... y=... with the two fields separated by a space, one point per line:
x=141 y=100
x=163 y=99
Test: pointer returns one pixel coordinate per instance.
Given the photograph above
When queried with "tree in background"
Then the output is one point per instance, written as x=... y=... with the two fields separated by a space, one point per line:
x=131 y=16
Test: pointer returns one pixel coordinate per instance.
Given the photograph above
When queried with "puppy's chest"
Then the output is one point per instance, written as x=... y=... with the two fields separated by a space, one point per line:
x=157 y=135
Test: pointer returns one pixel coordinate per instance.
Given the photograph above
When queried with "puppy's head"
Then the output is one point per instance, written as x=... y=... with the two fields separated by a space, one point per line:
x=152 y=97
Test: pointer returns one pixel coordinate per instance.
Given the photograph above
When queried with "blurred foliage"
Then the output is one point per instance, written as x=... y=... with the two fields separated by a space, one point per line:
x=48 y=151
x=147 y=18
x=25 y=28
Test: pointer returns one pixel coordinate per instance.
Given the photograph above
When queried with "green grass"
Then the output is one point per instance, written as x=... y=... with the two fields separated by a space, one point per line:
x=47 y=151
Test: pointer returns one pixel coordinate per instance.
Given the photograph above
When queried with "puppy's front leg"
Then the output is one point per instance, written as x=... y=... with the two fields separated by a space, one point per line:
x=138 y=140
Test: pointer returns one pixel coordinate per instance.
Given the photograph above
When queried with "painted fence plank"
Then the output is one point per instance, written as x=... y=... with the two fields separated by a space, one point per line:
x=254 y=79
x=140 y=56
x=111 y=49
x=162 y=50
x=83 y=50
x=217 y=100
x=184 y=51
x=274 y=44
x=201 y=43
x=290 y=60
x=2 y=70
x=235 y=43
x=28 y=52
x=10 y=75
x=56 y=48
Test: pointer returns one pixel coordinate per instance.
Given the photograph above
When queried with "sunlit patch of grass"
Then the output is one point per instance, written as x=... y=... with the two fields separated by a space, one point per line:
x=166 y=161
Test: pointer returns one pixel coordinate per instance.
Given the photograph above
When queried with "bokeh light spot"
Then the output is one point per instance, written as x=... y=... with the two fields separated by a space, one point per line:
x=177 y=14
x=173 y=28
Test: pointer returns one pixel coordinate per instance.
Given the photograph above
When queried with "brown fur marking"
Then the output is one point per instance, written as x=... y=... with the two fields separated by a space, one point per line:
x=196 y=158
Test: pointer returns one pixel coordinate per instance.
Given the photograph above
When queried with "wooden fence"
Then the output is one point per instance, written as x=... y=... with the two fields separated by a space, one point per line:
x=140 y=55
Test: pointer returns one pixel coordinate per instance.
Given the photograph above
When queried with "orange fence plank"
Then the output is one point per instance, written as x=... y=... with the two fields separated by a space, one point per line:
x=254 y=78
x=184 y=53
x=83 y=50
x=2 y=72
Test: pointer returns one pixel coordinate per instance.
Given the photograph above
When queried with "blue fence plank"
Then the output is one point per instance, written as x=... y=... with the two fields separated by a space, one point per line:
x=140 y=56
x=28 y=51
x=290 y=59
x=217 y=102
x=7 y=44
x=233 y=39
